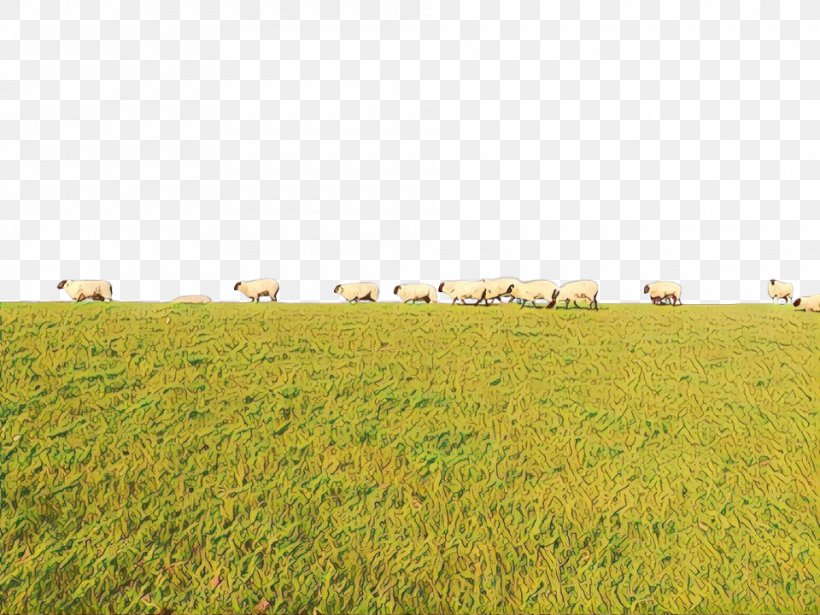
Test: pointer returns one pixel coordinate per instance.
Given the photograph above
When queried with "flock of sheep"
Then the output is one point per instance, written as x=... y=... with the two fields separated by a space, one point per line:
x=487 y=290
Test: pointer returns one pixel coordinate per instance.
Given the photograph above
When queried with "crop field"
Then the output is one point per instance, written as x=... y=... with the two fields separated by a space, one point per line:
x=392 y=458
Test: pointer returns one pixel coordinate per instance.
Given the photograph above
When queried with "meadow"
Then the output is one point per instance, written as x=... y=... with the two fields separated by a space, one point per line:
x=391 y=458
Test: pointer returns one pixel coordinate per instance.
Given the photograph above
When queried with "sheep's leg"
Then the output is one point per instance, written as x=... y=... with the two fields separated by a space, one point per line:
x=575 y=303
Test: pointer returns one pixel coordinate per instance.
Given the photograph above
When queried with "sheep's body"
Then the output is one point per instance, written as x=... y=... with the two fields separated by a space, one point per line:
x=192 y=299
x=780 y=290
x=582 y=290
x=416 y=292
x=661 y=291
x=461 y=290
x=497 y=288
x=80 y=290
x=254 y=289
x=533 y=291
x=808 y=304
x=362 y=291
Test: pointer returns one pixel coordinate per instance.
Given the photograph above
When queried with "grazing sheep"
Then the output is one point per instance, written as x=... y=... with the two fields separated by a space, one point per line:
x=353 y=293
x=80 y=290
x=532 y=291
x=663 y=291
x=192 y=299
x=255 y=289
x=463 y=289
x=780 y=290
x=575 y=291
x=497 y=288
x=808 y=304
x=416 y=292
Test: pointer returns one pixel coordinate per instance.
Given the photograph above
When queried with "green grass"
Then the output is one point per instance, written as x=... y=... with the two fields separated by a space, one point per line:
x=408 y=458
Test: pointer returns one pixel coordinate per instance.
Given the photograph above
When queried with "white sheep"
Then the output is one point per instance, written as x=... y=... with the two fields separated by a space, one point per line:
x=80 y=290
x=460 y=290
x=254 y=289
x=192 y=299
x=808 y=304
x=583 y=290
x=497 y=288
x=780 y=290
x=533 y=291
x=416 y=292
x=663 y=291
x=353 y=293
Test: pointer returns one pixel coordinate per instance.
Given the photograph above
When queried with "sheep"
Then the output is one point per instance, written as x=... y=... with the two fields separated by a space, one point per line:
x=497 y=288
x=808 y=304
x=532 y=291
x=416 y=292
x=662 y=291
x=80 y=290
x=780 y=290
x=353 y=293
x=463 y=289
x=255 y=289
x=192 y=299
x=573 y=291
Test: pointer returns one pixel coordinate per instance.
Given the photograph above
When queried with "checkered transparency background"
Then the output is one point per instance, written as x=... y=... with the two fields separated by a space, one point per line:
x=179 y=147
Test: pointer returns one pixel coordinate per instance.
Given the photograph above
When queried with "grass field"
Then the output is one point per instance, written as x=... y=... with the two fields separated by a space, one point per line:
x=408 y=458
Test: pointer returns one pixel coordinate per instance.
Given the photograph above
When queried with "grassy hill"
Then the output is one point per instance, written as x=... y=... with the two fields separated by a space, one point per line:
x=408 y=458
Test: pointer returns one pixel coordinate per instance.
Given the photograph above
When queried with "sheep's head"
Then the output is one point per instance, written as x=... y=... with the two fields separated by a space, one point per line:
x=237 y=285
x=797 y=302
x=396 y=290
x=510 y=289
x=771 y=282
x=555 y=294
x=62 y=284
x=441 y=287
x=646 y=289
x=337 y=289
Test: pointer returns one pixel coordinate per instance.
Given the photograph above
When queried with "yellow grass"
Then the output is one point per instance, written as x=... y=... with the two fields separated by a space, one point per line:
x=408 y=458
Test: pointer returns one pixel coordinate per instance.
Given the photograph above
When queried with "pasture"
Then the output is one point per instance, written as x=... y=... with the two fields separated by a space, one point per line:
x=400 y=458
